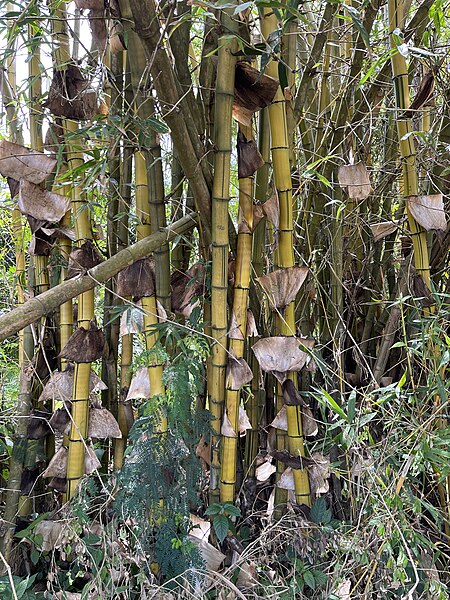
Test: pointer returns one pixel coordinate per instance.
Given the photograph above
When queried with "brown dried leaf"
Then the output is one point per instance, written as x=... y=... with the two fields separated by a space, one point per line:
x=140 y=385
x=84 y=345
x=131 y=321
x=59 y=484
x=286 y=481
x=14 y=186
x=40 y=245
x=310 y=427
x=264 y=471
x=280 y=421
x=201 y=528
x=90 y=4
x=238 y=372
x=294 y=462
x=137 y=280
x=203 y=451
x=355 y=180
x=235 y=332
x=249 y=158
x=420 y=290
x=51 y=533
x=244 y=421
x=117 y=40
x=70 y=96
x=253 y=91
x=272 y=209
x=428 y=211
x=38 y=427
x=99 y=31
x=40 y=204
x=248 y=576
x=319 y=474
x=60 y=385
x=19 y=162
x=102 y=424
x=28 y=480
x=227 y=429
x=57 y=467
x=243 y=115
x=382 y=230
x=282 y=286
x=60 y=421
x=293 y=398
x=186 y=287
x=281 y=355
x=252 y=330
x=91 y=462
x=212 y=557
x=82 y=259
x=54 y=137
x=59 y=233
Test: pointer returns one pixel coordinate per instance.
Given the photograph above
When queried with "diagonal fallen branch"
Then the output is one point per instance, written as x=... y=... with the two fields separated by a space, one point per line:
x=41 y=305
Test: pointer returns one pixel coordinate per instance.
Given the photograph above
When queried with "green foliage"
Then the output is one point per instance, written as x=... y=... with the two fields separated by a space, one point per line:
x=222 y=515
x=19 y=588
x=158 y=484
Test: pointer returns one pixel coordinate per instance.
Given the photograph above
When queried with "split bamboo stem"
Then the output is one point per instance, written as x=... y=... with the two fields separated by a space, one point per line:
x=285 y=254
x=237 y=338
x=220 y=242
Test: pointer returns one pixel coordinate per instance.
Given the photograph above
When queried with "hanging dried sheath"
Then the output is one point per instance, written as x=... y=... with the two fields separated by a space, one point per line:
x=84 y=345
x=20 y=162
x=82 y=259
x=281 y=286
x=294 y=462
x=60 y=421
x=102 y=424
x=137 y=280
x=40 y=204
x=423 y=96
x=28 y=479
x=249 y=158
x=69 y=95
x=59 y=484
x=185 y=287
x=38 y=426
x=252 y=92
x=238 y=372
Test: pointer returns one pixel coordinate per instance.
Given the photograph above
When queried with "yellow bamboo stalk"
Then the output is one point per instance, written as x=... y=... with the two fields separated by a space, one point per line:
x=125 y=381
x=219 y=276
x=155 y=369
x=61 y=59
x=237 y=343
x=285 y=255
x=406 y=141
x=80 y=396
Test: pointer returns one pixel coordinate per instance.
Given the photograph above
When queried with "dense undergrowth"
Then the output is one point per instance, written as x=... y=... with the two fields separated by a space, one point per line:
x=376 y=532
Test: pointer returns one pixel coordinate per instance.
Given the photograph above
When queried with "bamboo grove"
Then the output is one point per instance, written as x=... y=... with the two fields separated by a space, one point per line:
x=264 y=185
